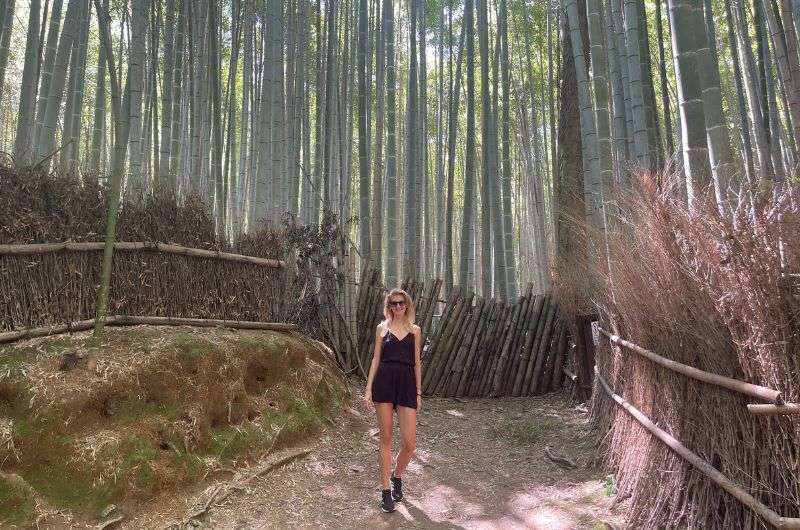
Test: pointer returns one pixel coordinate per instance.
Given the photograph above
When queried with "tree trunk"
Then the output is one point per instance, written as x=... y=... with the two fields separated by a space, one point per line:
x=507 y=222
x=23 y=142
x=392 y=265
x=591 y=162
x=467 y=257
x=378 y=186
x=719 y=145
x=690 y=99
x=121 y=119
x=56 y=91
x=6 y=27
x=365 y=221
x=635 y=72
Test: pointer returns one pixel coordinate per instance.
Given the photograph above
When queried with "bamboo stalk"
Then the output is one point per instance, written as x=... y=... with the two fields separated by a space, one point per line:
x=46 y=248
x=531 y=385
x=749 y=389
x=487 y=350
x=446 y=318
x=773 y=410
x=82 y=325
x=509 y=312
x=127 y=320
x=555 y=378
x=505 y=359
x=371 y=324
x=704 y=467
x=444 y=344
x=529 y=353
x=453 y=343
x=423 y=298
x=514 y=336
x=547 y=373
x=429 y=309
x=461 y=371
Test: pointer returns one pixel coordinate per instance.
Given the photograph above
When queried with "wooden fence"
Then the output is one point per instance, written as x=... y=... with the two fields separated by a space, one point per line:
x=776 y=407
x=51 y=284
x=473 y=346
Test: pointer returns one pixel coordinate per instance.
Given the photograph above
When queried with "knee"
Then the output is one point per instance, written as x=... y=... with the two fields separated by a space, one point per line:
x=386 y=443
x=409 y=446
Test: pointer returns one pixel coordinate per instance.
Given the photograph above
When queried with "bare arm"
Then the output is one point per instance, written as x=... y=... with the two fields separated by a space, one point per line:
x=417 y=352
x=376 y=358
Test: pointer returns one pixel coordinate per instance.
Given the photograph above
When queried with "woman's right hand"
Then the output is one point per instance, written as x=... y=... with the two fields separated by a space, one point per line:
x=368 y=398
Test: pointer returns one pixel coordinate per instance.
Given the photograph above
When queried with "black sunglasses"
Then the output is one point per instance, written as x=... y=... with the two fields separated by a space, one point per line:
x=397 y=303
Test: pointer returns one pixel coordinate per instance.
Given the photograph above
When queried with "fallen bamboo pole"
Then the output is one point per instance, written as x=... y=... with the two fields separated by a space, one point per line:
x=31 y=333
x=704 y=467
x=46 y=248
x=760 y=392
x=773 y=410
x=125 y=320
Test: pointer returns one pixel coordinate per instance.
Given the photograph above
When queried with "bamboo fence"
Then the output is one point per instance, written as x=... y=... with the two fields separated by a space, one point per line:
x=127 y=320
x=49 y=284
x=45 y=248
x=699 y=463
x=473 y=347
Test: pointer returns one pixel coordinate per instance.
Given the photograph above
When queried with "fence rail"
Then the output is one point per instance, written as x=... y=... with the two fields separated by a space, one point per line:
x=703 y=466
x=760 y=392
x=127 y=320
x=46 y=248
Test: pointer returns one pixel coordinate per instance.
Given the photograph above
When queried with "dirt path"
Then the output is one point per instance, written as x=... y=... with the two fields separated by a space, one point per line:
x=480 y=464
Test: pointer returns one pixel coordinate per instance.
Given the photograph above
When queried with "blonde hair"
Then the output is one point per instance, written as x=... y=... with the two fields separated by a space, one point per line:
x=411 y=313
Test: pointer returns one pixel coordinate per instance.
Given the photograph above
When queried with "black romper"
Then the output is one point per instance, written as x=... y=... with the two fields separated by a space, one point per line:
x=395 y=381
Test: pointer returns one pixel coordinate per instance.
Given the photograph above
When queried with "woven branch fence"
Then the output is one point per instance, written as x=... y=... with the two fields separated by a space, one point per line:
x=40 y=286
x=473 y=347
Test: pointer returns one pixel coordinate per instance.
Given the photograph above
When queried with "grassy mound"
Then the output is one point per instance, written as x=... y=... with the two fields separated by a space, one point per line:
x=85 y=424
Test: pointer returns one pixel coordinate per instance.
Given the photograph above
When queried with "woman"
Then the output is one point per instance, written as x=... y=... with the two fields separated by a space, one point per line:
x=394 y=383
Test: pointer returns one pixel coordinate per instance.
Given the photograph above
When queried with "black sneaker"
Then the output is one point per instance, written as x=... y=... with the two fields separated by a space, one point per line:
x=397 y=488
x=387 y=503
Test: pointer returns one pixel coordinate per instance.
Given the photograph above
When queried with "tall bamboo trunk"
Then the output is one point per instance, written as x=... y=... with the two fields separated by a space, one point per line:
x=23 y=141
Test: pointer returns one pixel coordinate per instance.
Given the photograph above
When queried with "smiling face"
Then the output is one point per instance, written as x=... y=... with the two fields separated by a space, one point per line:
x=399 y=306
x=397 y=303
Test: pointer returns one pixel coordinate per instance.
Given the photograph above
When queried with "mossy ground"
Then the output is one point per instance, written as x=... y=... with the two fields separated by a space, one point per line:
x=87 y=423
x=526 y=431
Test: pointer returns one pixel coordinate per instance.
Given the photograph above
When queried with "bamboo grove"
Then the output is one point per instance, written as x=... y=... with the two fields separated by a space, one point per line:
x=462 y=136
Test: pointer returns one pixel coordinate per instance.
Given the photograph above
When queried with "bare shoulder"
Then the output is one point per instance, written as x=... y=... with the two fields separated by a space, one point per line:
x=415 y=329
x=380 y=328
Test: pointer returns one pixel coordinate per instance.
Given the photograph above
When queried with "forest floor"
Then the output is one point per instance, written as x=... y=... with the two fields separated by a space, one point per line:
x=479 y=464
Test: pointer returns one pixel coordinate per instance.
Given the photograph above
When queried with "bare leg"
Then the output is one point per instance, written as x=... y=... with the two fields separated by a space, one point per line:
x=384 y=411
x=408 y=431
